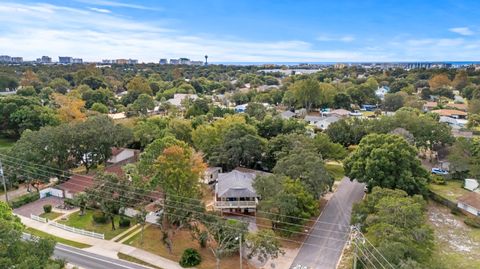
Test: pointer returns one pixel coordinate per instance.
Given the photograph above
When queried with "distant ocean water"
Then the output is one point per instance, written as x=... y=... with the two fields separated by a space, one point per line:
x=454 y=63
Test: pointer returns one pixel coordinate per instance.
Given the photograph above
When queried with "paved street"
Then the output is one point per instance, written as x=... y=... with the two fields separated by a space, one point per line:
x=89 y=260
x=324 y=245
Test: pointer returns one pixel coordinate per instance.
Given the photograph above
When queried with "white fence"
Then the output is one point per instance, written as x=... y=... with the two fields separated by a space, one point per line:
x=37 y=218
x=51 y=192
x=76 y=230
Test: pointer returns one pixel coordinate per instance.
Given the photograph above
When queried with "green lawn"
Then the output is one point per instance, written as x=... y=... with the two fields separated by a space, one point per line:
x=86 y=222
x=6 y=143
x=451 y=191
x=129 y=258
x=336 y=170
x=51 y=215
x=41 y=234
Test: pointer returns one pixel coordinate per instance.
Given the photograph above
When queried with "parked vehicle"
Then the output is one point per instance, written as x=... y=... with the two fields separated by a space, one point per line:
x=439 y=171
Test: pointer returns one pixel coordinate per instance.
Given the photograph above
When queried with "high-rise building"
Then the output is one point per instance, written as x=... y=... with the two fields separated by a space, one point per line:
x=163 y=61
x=46 y=60
x=17 y=60
x=174 y=61
x=184 y=61
x=77 y=61
x=5 y=59
x=65 y=60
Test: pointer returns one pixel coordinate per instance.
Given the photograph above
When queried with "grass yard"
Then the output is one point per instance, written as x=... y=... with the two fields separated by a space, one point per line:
x=51 y=215
x=336 y=170
x=41 y=234
x=457 y=245
x=86 y=222
x=135 y=260
x=452 y=191
x=6 y=143
x=181 y=241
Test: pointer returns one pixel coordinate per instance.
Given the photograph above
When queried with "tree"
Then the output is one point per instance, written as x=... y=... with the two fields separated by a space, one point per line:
x=256 y=110
x=347 y=131
x=439 y=81
x=387 y=161
x=100 y=108
x=394 y=101
x=328 y=149
x=27 y=91
x=16 y=252
x=307 y=92
x=143 y=103
x=139 y=85
x=474 y=106
x=307 y=167
x=263 y=245
x=342 y=100
x=395 y=224
x=460 y=81
x=70 y=108
x=199 y=107
x=81 y=200
x=224 y=236
x=288 y=208
x=181 y=129
x=29 y=78
x=240 y=146
x=60 y=85
x=149 y=129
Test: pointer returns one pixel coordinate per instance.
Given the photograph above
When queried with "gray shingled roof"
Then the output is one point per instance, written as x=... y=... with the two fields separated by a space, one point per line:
x=236 y=184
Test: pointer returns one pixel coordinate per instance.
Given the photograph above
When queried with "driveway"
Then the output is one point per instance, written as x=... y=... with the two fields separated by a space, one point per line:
x=36 y=208
x=323 y=247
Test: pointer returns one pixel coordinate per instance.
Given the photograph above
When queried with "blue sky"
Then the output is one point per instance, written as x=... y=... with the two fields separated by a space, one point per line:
x=243 y=30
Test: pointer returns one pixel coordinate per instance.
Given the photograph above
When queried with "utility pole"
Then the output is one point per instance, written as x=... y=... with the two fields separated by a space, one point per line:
x=353 y=239
x=241 y=258
x=4 y=182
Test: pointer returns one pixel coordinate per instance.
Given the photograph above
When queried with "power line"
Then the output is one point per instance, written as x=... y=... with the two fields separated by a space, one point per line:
x=162 y=193
x=47 y=173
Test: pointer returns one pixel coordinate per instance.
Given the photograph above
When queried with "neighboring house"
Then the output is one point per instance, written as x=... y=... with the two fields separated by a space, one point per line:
x=381 y=92
x=453 y=122
x=76 y=184
x=211 y=175
x=324 y=122
x=429 y=106
x=458 y=99
x=462 y=107
x=452 y=113
x=234 y=191
x=179 y=97
x=300 y=113
x=123 y=155
x=369 y=107
x=471 y=184
x=470 y=203
x=287 y=115
x=241 y=108
x=313 y=119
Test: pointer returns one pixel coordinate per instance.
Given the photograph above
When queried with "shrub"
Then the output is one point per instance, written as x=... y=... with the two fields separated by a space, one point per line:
x=439 y=180
x=203 y=238
x=472 y=222
x=47 y=208
x=456 y=211
x=190 y=258
x=124 y=222
x=99 y=217
x=25 y=199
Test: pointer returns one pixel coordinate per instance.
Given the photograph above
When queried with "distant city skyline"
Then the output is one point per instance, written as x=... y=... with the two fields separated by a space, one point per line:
x=242 y=31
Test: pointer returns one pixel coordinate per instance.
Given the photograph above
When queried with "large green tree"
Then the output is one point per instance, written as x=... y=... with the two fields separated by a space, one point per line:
x=387 y=161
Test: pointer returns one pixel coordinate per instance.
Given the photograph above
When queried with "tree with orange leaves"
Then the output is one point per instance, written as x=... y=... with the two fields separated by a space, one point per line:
x=70 y=108
x=29 y=78
x=438 y=81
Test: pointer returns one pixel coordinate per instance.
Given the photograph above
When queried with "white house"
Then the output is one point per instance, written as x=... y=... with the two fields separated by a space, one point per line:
x=234 y=191
x=241 y=108
x=324 y=122
x=179 y=97
x=211 y=174
x=381 y=92
x=453 y=122
x=471 y=184
x=470 y=203
x=123 y=155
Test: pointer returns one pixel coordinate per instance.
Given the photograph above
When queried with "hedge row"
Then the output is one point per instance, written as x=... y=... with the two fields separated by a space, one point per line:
x=25 y=199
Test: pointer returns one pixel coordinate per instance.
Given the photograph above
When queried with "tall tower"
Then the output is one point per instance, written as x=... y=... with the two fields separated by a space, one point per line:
x=206 y=59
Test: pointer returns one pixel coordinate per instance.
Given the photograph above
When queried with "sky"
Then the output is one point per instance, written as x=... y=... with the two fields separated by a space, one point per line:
x=243 y=30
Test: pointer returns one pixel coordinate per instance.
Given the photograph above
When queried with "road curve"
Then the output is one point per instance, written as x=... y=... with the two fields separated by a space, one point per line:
x=324 y=245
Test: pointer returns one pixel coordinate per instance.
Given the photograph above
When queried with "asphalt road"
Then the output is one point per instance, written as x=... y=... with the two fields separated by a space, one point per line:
x=324 y=245
x=89 y=260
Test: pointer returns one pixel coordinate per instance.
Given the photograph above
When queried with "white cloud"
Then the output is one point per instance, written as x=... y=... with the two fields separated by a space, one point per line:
x=327 y=38
x=462 y=31
x=118 y=4
x=101 y=10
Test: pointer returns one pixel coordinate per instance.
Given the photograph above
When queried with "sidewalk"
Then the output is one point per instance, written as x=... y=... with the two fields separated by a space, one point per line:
x=103 y=247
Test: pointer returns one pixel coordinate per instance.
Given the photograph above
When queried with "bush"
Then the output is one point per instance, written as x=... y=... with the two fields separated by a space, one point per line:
x=99 y=217
x=439 y=180
x=203 y=238
x=472 y=222
x=456 y=211
x=47 y=208
x=25 y=199
x=190 y=258
x=124 y=222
